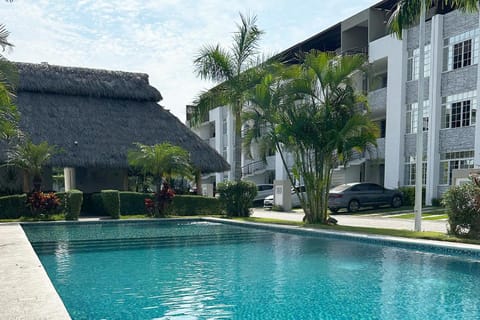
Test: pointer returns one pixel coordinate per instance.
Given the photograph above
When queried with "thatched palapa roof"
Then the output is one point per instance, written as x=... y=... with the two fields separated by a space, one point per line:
x=95 y=116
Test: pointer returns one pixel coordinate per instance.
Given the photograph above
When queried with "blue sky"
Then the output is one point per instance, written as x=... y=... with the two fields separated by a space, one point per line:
x=158 y=37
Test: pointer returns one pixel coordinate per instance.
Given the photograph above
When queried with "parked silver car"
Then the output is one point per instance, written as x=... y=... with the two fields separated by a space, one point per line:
x=353 y=196
x=263 y=191
x=268 y=202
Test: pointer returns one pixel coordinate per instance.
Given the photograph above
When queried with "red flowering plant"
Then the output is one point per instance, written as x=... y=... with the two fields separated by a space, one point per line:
x=149 y=207
x=43 y=204
x=163 y=198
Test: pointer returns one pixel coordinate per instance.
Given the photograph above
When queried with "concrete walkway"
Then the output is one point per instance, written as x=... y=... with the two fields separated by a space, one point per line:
x=372 y=221
x=26 y=292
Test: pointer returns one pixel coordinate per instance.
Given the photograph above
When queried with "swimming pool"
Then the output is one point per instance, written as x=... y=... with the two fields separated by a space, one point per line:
x=194 y=269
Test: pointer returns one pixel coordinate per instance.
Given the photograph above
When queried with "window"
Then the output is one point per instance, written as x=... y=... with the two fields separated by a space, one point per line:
x=414 y=61
x=410 y=170
x=462 y=54
x=411 y=116
x=454 y=160
x=459 y=110
x=461 y=50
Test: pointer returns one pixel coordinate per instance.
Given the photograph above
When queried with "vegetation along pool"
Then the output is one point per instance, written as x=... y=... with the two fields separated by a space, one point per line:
x=195 y=269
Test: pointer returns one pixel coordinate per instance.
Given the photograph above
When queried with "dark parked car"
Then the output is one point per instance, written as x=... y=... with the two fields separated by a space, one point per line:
x=352 y=196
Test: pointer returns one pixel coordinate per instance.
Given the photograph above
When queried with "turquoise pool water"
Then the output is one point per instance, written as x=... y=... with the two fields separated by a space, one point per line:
x=205 y=270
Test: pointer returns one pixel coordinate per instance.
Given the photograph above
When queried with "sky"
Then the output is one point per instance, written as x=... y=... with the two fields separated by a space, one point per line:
x=157 y=37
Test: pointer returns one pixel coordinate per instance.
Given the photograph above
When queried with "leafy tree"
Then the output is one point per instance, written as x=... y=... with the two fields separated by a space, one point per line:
x=32 y=158
x=312 y=111
x=8 y=80
x=232 y=69
x=162 y=161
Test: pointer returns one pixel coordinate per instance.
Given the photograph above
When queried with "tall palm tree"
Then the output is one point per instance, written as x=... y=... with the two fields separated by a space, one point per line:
x=313 y=111
x=232 y=70
x=407 y=14
x=162 y=161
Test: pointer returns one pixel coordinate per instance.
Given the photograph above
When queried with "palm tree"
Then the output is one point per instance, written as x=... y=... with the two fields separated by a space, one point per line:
x=232 y=70
x=162 y=161
x=407 y=14
x=32 y=158
x=313 y=111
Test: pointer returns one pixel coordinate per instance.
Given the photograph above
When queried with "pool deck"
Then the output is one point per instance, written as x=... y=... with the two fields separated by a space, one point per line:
x=26 y=292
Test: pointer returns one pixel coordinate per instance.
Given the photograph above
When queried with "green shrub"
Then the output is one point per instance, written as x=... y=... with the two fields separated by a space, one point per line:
x=409 y=196
x=463 y=204
x=133 y=202
x=13 y=207
x=111 y=202
x=61 y=196
x=184 y=205
x=73 y=204
x=237 y=197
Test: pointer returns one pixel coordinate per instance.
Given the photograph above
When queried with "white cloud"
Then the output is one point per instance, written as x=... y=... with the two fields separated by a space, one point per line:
x=156 y=37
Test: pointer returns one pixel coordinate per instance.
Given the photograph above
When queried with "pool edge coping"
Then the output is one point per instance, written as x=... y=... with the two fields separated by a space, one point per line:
x=27 y=291
x=452 y=248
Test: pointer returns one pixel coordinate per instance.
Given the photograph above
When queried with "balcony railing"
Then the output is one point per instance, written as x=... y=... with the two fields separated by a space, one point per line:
x=253 y=167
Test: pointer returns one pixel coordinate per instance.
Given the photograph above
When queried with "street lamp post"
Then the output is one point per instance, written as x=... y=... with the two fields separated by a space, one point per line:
x=419 y=141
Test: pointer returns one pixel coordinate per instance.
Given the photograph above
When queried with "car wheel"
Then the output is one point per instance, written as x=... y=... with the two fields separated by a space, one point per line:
x=333 y=210
x=353 y=206
x=396 y=201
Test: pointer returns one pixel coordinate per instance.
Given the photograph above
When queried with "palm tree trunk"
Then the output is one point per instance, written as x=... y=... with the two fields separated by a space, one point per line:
x=26 y=181
x=237 y=144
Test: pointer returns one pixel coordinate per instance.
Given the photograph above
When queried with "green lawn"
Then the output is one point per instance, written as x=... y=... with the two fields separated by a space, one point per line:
x=378 y=231
x=436 y=214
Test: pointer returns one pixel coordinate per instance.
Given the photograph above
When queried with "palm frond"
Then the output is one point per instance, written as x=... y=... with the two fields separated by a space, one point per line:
x=246 y=41
x=214 y=63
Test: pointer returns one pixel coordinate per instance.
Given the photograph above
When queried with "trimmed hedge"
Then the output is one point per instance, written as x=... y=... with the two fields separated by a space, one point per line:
x=14 y=206
x=133 y=202
x=73 y=204
x=184 y=205
x=111 y=202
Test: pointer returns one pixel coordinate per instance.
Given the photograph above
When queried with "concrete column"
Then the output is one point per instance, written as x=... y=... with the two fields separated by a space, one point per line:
x=435 y=98
x=69 y=176
x=282 y=196
x=476 y=159
x=395 y=51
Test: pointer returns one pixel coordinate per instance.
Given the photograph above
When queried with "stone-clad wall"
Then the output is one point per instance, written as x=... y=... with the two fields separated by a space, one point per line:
x=456 y=22
x=459 y=80
x=457 y=139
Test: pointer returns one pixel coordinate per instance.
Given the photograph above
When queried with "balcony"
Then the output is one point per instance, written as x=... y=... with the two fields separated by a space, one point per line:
x=254 y=167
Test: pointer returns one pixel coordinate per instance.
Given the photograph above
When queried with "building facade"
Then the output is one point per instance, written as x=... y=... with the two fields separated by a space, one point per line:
x=451 y=137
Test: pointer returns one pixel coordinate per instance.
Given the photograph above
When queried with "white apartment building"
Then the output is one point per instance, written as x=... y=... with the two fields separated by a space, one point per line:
x=451 y=137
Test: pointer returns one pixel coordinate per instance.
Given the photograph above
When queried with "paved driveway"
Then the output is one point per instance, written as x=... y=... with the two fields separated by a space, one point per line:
x=374 y=221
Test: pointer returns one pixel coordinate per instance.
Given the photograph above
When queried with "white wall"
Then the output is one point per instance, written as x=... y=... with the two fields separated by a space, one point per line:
x=393 y=49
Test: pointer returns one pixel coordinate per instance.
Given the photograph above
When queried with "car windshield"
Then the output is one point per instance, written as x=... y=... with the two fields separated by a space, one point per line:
x=341 y=187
